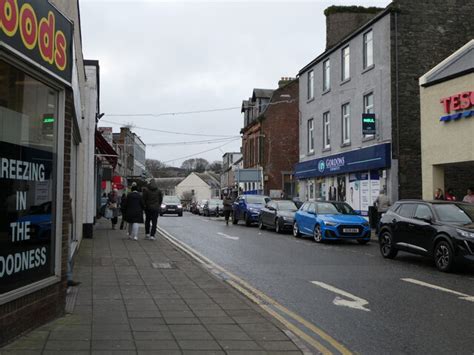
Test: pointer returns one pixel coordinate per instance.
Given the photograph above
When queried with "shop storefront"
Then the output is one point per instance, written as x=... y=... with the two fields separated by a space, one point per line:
x=35 y=75
x=355 y=177
x=447 y=124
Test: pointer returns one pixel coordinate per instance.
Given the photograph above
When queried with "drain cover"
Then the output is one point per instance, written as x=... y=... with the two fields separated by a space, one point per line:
x=162 y=266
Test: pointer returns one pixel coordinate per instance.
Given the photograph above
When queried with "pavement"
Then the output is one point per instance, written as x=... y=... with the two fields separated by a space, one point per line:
x=149 y=297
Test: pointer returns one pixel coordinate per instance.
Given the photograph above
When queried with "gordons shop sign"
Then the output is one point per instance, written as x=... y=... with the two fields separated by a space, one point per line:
x=39 y=31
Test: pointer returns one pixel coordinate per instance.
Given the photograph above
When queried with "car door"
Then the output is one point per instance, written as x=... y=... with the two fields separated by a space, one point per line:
x=271 y=213
x=401 y=224
x=312 y=213
x=420 y=230
x=300 y=216
x=264 y=213
x=236 y=207
x=308 y=217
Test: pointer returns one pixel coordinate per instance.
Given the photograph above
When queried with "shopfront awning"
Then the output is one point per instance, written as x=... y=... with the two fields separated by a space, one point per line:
x=105 y=150
x=364 y=159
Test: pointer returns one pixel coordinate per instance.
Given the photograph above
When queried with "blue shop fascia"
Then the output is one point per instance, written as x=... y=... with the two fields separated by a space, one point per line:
x=355 y=176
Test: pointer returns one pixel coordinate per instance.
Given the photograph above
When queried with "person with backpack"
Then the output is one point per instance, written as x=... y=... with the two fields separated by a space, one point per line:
x=152 y=197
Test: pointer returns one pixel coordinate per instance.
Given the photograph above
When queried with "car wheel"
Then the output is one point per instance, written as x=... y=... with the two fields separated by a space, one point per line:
x=362 y=241
x=180 y=214
x=444 y=256
x=260 y=224
x=277 y=226
x=234 y=219
x=318 y=234
x=296 y=231
x=386 y=245
x=161 y=214
x=248 y=222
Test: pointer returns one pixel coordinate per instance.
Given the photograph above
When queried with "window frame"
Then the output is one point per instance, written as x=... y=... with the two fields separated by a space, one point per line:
x=54 y=84
x=345 y=66
x=368 y=109
x=346 y=123
x=326 y=75
x=310 y=85
x=326 y=130
x=366 y=45
x=310 y=136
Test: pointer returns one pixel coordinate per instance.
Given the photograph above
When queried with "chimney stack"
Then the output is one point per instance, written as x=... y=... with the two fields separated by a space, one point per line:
x=342 y=20
x=284 y=81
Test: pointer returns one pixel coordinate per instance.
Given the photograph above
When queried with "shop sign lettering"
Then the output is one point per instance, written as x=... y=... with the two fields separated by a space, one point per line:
x=39 y=31
x=333 y=164
x=452 y=105
x=26 y=215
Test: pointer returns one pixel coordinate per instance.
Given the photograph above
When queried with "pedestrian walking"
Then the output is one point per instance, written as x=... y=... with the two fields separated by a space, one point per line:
x=470 y=195
x=123 y=200
x=439 y=194
x=152 y=197
x=228 y=201
x=450 y=195
x=382 y=203
x=112 y=205
x=134 y=207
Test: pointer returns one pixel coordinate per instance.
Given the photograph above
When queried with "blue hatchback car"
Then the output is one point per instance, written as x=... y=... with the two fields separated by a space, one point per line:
x=330 y=220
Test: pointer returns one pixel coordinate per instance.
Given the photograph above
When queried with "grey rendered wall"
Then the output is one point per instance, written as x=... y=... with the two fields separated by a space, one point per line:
x=376 y=80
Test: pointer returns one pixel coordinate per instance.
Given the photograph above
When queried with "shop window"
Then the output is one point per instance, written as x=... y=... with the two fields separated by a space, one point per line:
x=28 y=134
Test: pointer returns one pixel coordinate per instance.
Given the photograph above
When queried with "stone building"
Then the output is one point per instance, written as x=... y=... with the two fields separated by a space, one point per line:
x=368 y=73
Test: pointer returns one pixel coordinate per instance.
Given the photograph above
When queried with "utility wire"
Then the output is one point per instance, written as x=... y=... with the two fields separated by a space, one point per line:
x=170 y=132
x=212 y=141
x=198 y=111
x=199 y=153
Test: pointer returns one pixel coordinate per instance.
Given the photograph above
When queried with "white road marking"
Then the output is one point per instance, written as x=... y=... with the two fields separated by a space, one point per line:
x=425 y=284
x=227 y=236
x=204 y=220
x=355 y=302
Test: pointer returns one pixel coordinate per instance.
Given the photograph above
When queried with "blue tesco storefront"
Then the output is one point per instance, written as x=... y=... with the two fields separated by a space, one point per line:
x=356 y=176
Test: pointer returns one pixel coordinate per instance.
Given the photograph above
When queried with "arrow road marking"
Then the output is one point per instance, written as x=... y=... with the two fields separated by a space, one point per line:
x=227 y=236
x=354 y=302
x=425 y=284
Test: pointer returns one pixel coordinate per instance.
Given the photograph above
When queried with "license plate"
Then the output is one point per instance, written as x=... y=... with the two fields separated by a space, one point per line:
x=350 y=230
x=171 y=209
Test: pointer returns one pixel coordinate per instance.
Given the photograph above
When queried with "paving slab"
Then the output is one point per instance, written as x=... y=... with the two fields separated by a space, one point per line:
x=129 y=303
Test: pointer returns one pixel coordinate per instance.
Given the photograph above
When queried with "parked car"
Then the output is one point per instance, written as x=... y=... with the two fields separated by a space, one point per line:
x=200 y=207
x=214 y=207
x=330 y=220
x=442 y=230
x=278 y=214
x=247 y=208
x=171 y=205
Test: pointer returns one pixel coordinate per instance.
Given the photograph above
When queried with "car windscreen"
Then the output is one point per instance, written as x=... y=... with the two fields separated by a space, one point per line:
x=326 y=208
x=171 y=199
x=262 y=200
x=452 y=213
x=215 y=203
x=344 y=208
x=286 y=206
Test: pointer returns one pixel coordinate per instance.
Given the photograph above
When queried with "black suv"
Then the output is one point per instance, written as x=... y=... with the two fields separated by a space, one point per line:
x=443 y=230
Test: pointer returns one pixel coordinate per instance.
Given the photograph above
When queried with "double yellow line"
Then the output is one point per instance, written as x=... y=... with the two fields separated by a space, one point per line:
x=271 y=306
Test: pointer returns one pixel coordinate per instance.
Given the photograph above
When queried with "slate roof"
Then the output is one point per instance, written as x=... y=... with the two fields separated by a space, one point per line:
x=263 y=93
x=210 y=178
x=459 y=63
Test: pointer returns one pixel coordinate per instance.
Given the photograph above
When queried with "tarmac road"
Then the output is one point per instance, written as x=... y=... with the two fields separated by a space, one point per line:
x=369 y=304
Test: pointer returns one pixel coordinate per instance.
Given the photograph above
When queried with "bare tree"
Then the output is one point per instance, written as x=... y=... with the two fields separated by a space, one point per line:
x=154 y=167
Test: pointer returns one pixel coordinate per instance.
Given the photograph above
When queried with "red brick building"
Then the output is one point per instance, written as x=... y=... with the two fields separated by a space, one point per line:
x=270 y=137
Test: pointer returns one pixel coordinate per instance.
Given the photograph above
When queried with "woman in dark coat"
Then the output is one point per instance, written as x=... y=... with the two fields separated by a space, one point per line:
x=134 y=207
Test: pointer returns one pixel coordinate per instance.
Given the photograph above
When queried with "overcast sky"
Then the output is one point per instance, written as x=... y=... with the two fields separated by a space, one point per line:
x=159 y=57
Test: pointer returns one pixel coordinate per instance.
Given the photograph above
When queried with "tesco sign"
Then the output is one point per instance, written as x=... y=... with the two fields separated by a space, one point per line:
x=463 y=101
